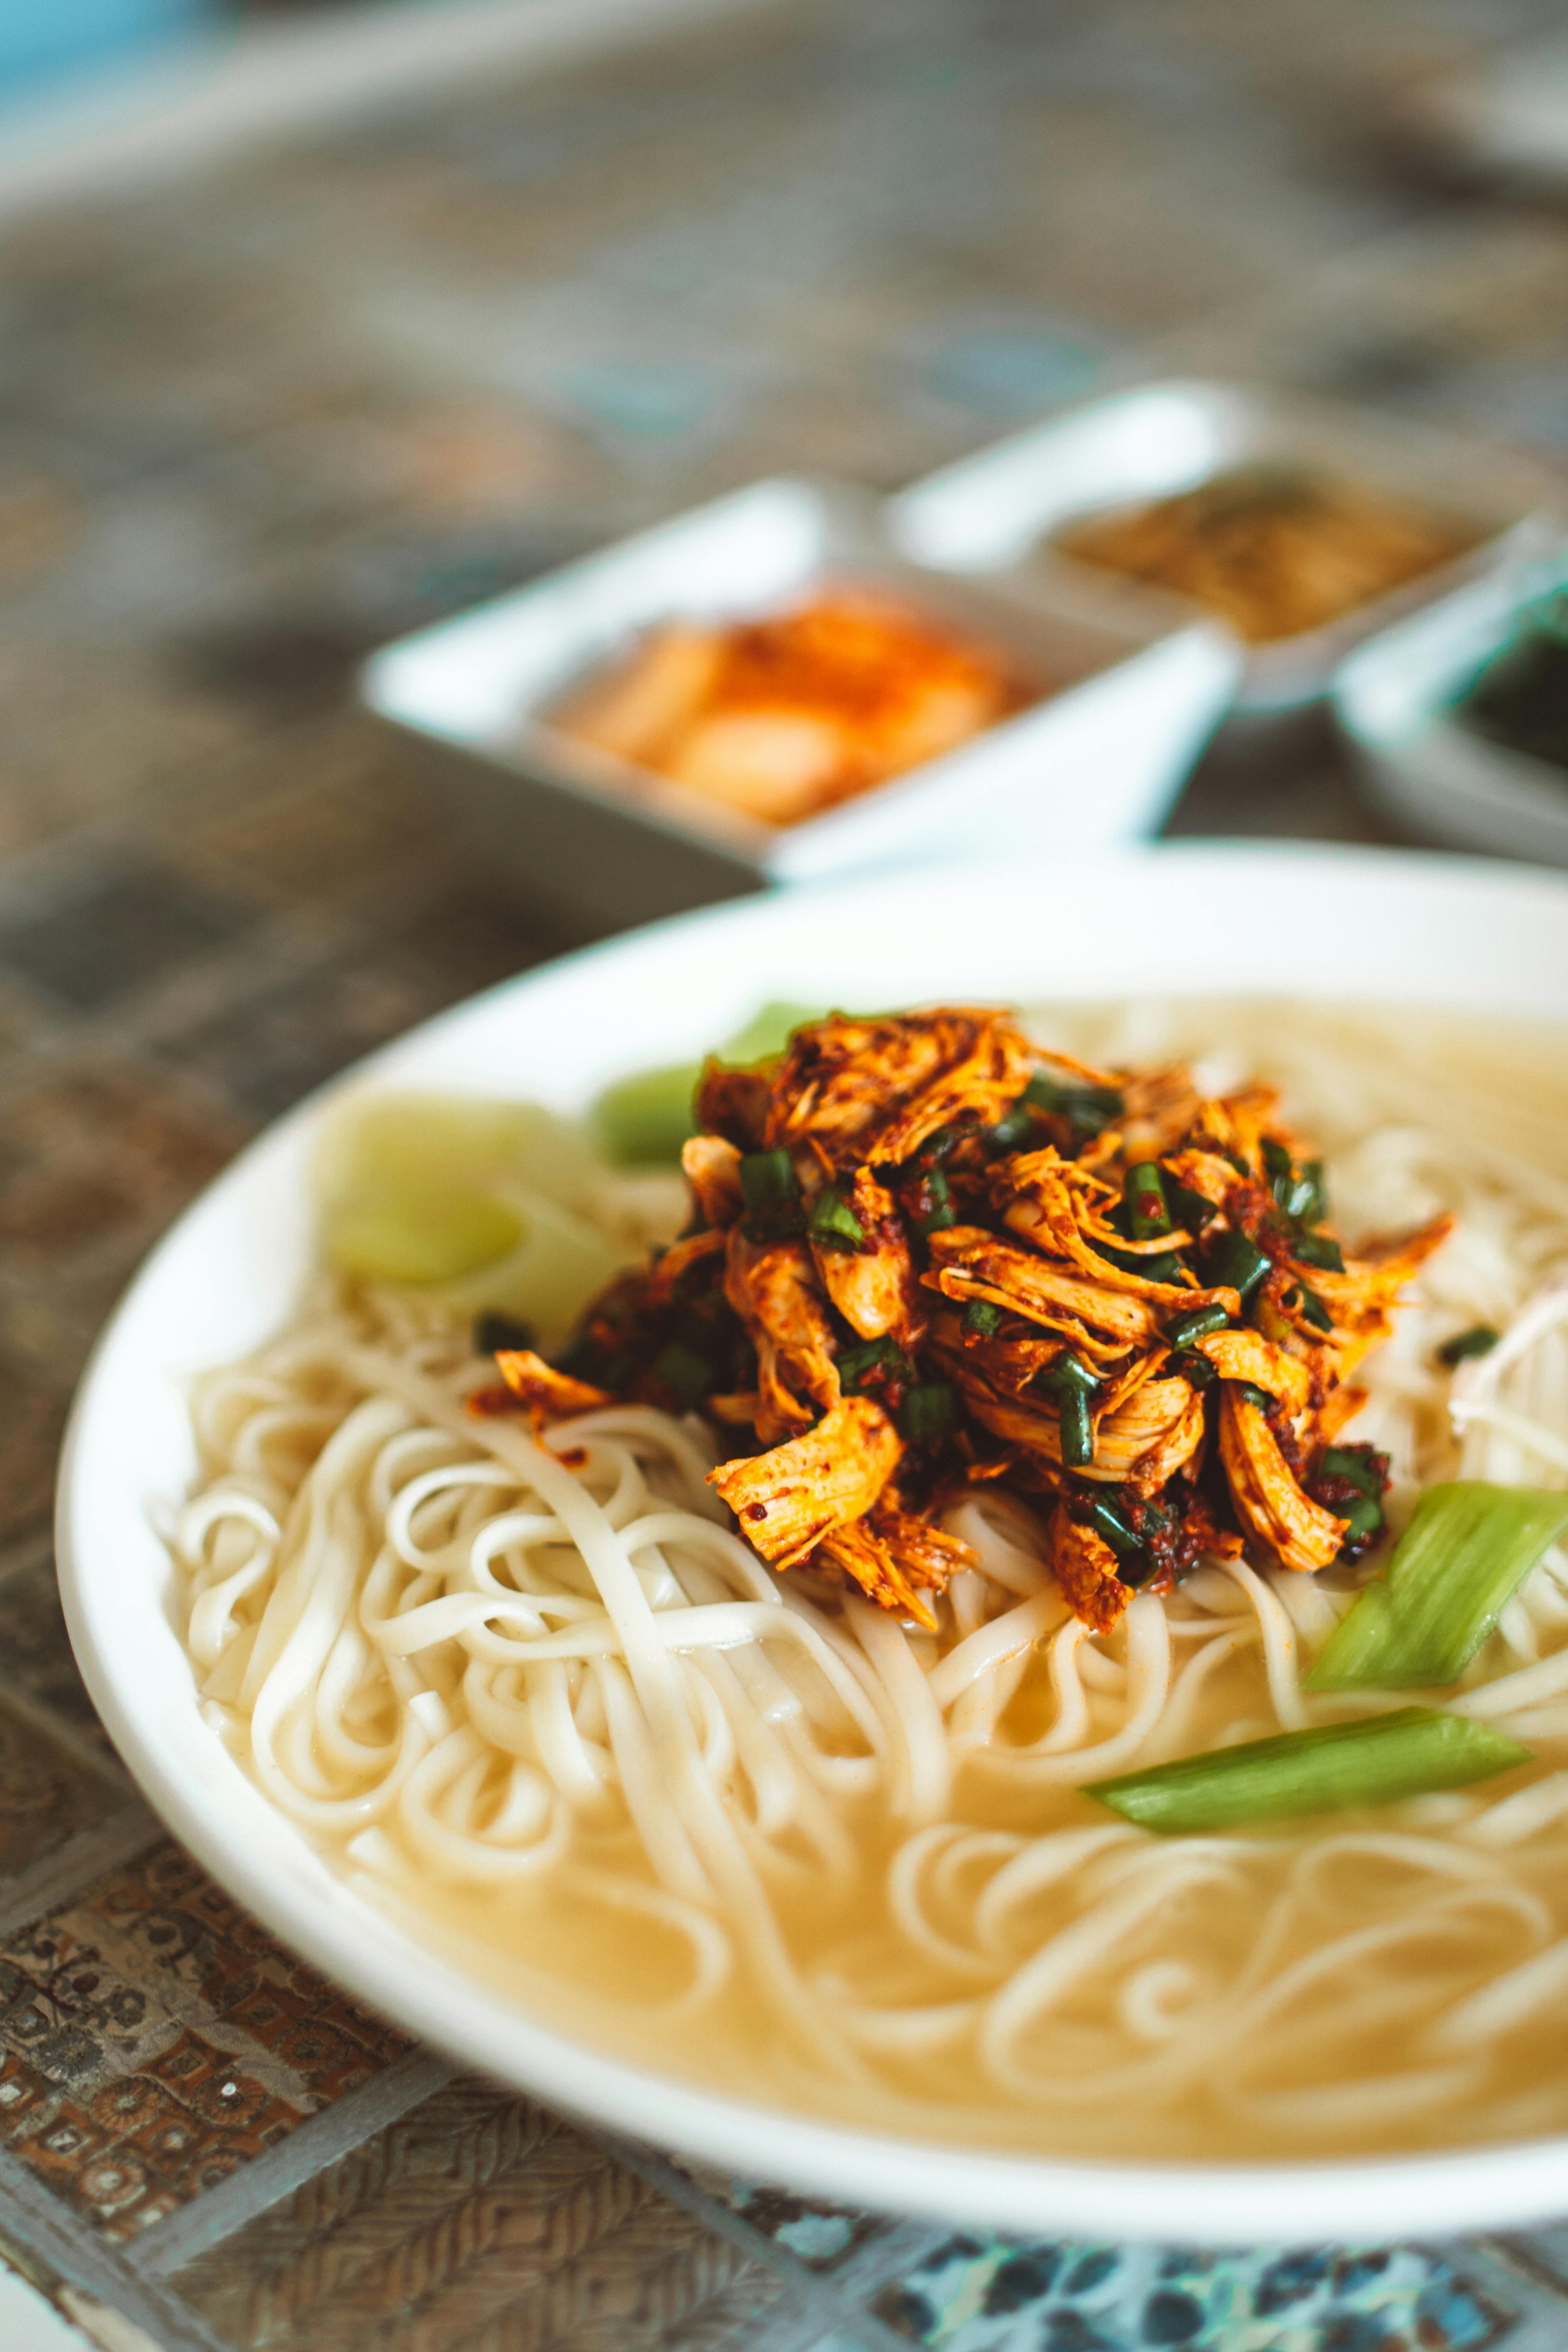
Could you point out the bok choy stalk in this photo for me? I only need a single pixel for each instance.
(1373, 1762)
(1454, 1569)
(643, 1121)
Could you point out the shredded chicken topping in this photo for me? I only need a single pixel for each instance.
(926, 1252)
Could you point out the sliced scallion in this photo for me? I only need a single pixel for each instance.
(1191, 1210)
(1362, 1518)
(767, 1179)
(929, 1411)
(1348, 1462)
(1144, 1197)
(1314, 1310)
(1314, 1210)
(871, 1356)
(941, 1212)
(1478, 1341)
(1107, 1521)
(1318, 1249)
(1072, 1384)
(1196, 1325)
(1013, 1129)
(1409, 1753)
(1076, 1429)
(1236, 1264)
(1296, 1196)
(982, 1319)
(1087, 1110)
(1454, 1569)
(1160, 1265)
(834, 1224)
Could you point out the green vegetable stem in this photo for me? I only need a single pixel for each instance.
(1459, 1563)
(1409, 1753)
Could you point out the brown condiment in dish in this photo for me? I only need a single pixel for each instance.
(1274, 550)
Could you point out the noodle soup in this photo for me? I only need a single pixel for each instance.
(537, 1695)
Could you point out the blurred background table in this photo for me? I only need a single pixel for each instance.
(256, 419)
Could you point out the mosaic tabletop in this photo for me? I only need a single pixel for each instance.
(254, 424)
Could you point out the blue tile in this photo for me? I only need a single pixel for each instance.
(818, 2233)
(975, 2293)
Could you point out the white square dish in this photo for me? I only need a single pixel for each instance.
(992, 515)
(1095, 762)
(1431, 774)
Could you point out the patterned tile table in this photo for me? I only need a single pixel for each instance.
(251, 425)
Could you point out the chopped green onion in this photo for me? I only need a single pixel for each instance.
(1014, 1128)
(1454, 1570)
(833, 1223)
(493, 1332)
(1191, 1210)
(1196, 1325)
(937, 1146)
(1315, 1209)
(1296, 1196)
(1089, 1109)
(1478, 1341)
(1107, 1521)
(929, 1411)
(1160, 1265)
(1409, 1753)
(1318, 1249)
(941, 1212)
(687, 1375)
(1072, 1383)
(1249, 1394)
(1348, 1462)
(982, 1319)
(1316, 1313)
(1357, 1468)
(1077, 1431)
(1236, 1264)
(767, 1179)
(1276, 1158)
(1362, 1518)
(1143, 1195)
(855, 1362)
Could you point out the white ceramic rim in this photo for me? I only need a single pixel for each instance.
(1394, 926)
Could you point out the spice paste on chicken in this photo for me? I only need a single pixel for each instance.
(925, 1254)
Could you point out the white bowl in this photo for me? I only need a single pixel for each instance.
(1419, 765)
(991, 515)
(1320, 923)
(1096, 760)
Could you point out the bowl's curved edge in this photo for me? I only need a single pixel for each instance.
(1428, 2194)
